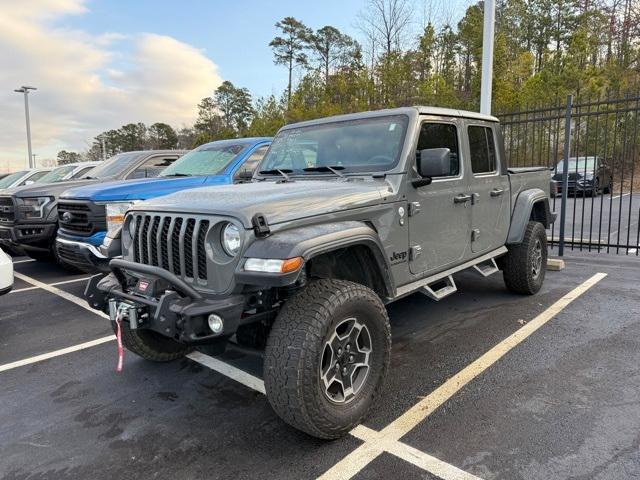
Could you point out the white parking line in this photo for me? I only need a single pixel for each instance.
(412, 455)
(228, 370)
(618, 196)
(56, 353)
(368, 451)
(26, 289)
(61, 293)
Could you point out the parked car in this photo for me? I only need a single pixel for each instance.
(346, 214)
(586, 175)
(90, 217)
(6, 273)
(22, 177)
(29, 214)
(69, 171)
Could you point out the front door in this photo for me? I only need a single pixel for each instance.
(489, 187)
(440, 213)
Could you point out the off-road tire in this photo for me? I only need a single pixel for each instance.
(294, 354)
(518, 272)
(150, 345)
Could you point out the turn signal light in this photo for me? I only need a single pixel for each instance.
(270, 265)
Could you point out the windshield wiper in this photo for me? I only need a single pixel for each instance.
(277, 171)
(178, 175)
(335, 169)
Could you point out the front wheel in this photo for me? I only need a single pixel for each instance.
(150, 345)
(327, 356)
(526, 263)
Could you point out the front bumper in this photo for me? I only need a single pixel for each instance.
(82, 255)
(28, 236)
(164, 303)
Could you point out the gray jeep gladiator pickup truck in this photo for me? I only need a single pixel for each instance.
(345, 215)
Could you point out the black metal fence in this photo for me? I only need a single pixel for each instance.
(596, 142)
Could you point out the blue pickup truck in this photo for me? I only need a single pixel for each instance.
(90, 218)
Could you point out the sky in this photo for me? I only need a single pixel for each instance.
(98, 64)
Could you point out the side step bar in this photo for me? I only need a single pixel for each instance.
(487, 268)
(448, 288)
(484, 264)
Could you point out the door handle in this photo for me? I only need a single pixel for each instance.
(461, 198)
(496, 192)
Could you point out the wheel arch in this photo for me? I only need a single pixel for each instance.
(531, 204)
(349, 250)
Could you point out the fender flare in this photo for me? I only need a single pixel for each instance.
(521, 215)
(310, 241)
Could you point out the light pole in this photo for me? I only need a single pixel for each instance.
(25, 90)
(487, 56)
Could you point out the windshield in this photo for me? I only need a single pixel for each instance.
(579, 164)
(204, 160)
(367, 145)
(7, 181)
(115, 165)
(56, 174)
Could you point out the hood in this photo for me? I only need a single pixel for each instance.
(142, 189)
(278, 202)
(46, 189)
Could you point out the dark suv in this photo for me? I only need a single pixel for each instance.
(590, 175)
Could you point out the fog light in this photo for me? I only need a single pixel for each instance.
(215, 323)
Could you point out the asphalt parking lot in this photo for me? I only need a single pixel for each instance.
(484, 384)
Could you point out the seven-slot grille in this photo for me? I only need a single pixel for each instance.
(81, 217)
(173, 243)
(7, 210)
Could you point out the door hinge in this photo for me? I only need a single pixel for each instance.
(415, 252)
(475, 234)
(414, 208)
(475, 198)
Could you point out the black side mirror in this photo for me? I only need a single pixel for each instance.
(245, 175)
(432, 162)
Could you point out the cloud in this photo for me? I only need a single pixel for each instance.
(87, 82)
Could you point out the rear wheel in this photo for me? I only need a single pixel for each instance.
(326, 357)
(526, 263)
(150, 345)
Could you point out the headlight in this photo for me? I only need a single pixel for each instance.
(34, 207)
(115, 216)
(231, 239)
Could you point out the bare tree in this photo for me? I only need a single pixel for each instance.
(388, 21)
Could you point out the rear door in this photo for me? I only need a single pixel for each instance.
(440, 213)
(489, 187)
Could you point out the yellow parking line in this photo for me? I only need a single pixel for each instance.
(364, 454)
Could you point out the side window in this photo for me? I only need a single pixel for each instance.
(152, 167)
(245, 172)
(33, 178)
(483, 149)
(441, 135)
(83, 171)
